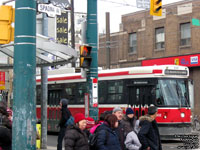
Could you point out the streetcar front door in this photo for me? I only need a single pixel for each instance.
(139, 98)
(54, 97)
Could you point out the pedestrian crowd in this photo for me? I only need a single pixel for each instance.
(113, 131)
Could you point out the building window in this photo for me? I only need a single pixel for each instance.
(160, 38)
(185, 34)
(132, 43)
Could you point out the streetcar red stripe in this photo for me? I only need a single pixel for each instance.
(157, 71)
(101, 75)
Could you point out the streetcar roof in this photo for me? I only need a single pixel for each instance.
(109, 73)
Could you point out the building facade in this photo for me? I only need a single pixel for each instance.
(146, 40)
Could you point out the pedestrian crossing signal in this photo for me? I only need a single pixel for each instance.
(85, 56)
(7, 16)
(156, 8)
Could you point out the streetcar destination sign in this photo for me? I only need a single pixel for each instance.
(49, 9)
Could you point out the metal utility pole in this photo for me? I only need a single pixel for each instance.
(44, 87)
(108, 40)
(24, 107)
(92, 76)
(72, 29)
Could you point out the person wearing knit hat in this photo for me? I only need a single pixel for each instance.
(149, 130)
(129, 121)
(129, 111)
(118, 112)
(65, 115)
(90, 123)
(152, 110)
(75, 136)
(79, 117)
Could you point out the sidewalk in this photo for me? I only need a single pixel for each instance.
(51, 148)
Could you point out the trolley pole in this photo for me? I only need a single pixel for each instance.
(24, 107)
(92, 75)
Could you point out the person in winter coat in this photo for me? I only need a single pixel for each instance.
(120, 130)
(149, 134)
(5, 130)
(65, 115)
(100, 121)
(132, 142)
(75, 137)
(107, 139)
(90, 123)
(129, 121)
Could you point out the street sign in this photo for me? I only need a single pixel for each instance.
(145, 4)
(195, 22)
(49, 9)
(63, 4)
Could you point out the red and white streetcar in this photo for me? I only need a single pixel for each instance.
(165, 86)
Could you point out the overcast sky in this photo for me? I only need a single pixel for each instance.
(115, 7)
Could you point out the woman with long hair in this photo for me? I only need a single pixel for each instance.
(107, 138)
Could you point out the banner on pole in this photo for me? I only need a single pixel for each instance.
(95, 92)
(2, 81)
(62, 28)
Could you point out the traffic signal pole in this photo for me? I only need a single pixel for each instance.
(24, 107)
(92, 74)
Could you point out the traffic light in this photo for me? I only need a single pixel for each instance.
(7, 15)
(156, 8)
(85, 56)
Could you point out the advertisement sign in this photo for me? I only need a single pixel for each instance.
(62, 28)
(2, 81)
(187, 60)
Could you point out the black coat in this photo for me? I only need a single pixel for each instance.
(75, 139)
(128, 124)
(120, 131)
(5, 133)
(149, 134)
(65, 114)
(107, 138)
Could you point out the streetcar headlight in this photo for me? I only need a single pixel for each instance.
(165, 117)
(182, 115)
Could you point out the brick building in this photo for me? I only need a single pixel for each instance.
(149, 40)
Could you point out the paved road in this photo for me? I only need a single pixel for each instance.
(167, 145)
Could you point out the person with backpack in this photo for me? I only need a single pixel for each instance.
(75, 137)
(100, 121)
(107, 139)
(65, 115)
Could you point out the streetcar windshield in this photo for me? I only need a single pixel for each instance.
(172, 92)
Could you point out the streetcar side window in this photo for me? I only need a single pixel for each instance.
(102, 91)
(115, 92)
(38, 95)
(82, 89)
(70, 92)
